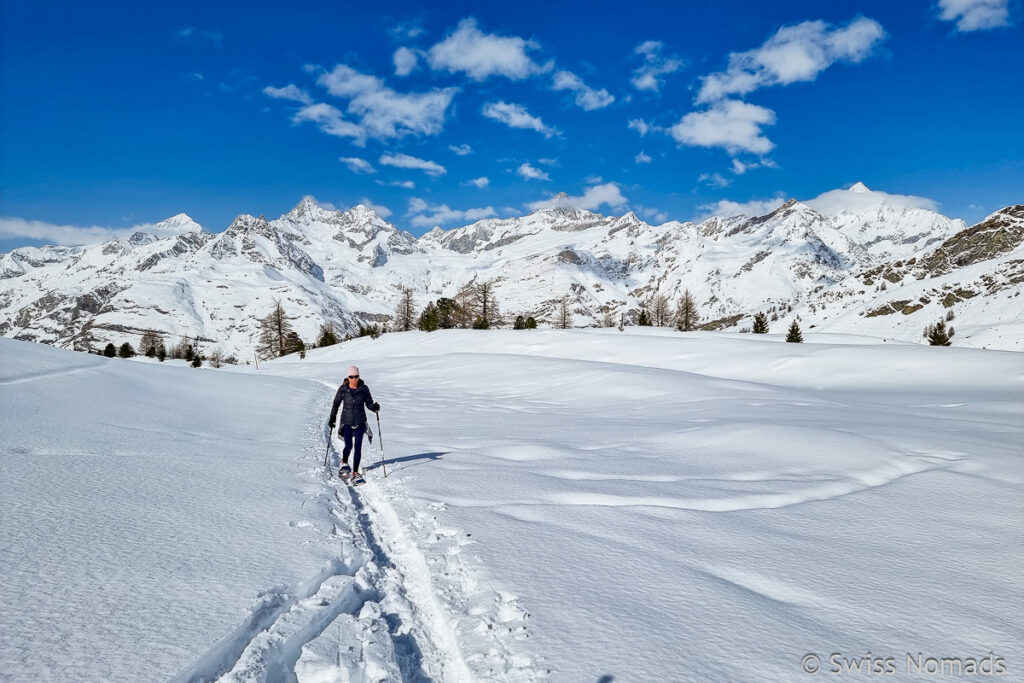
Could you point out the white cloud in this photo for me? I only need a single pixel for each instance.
(406, 184)
(714, 179)
(795, 53)
(213, 36)
(380, 112)
(593, 197)
(641, 126)
(405, 161)
(357, 165)
(837, 201)
(642, 158)
(756, 207)
(378, 209)
(331, 121)
(646, 76)
(405, 60)
(288, 92)
(587, 98)
(548, 162)
(461, 150)
(482, 55)
(731, 124)
(740, 167)
(426, 215)
(68, 235)
(516, 116)
(652, 215)
(975, 15)
(530, 173)
(407, 29)
(479, 183)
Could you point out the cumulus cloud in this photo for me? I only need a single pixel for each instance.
(461, 150)
(652, 215)
(975, 15)
(838, 201)
(795, 53)
(641, 126)
(378, 209)
(406, 184)
(193, 34)
(642, 158)
(426, 215)
(646, 76)
(288, 92)
(405, 161)
(405, 60)
(516, 116)
(482, 55)
(376, 110)
(740, 167)
(73, 235)
(530, 173)
(731, 124)
(755, 207)
(479, 183)
(714, 179)
(357, 165)
(592, 198)
(587, 98)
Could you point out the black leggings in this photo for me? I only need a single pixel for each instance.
(349, 433)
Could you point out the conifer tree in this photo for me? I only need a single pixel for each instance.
(430, 318)
(938, 335)
(531, 322)
(794, 335)
(405, 313)
(161, 352)
(686, 315)
(760, 323)
(197, 361)
(564, 317)
(661, 311)
(275, 329)
(110, 350)
(328, 337)
(126, 351)
(520, 323)
(644, 320)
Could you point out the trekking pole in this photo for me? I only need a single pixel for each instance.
(328, 451)
(381, 447)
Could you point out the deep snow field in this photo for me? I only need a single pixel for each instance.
(575, 505)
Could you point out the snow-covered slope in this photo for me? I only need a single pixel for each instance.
(825, 266)
(572, 505)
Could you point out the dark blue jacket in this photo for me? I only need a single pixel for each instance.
(353, 404)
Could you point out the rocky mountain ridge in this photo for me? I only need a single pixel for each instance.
(866, 267)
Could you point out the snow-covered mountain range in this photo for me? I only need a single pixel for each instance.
(853, 263)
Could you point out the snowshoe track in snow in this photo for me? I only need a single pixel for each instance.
(373, 613)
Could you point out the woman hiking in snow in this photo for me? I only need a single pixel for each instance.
(352, 397)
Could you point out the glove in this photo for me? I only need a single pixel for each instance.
(330, 425)
(376, 408)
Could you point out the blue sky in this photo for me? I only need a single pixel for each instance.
(121, 114)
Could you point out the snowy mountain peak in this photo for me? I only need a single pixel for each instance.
(859, 187)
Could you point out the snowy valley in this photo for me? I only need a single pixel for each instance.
(851, 261)
(565, 505)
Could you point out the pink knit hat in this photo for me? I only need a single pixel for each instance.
(353, 370)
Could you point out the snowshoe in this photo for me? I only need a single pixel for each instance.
(345, 471)
(357, 479)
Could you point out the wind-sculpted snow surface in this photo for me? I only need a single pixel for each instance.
(560, 505)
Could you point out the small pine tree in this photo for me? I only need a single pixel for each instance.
(197, 361)
(520, 323)
(686, 315)
(644, 320)
(938, 335)
(126, 351)
(275, 329)
(328, 337)
(161, 352)
(110, 350)
(531, 322)
(190, 353)
(481, 324)
(430, 318)
(564, 317)
(405, 312)
(793, 335)
(760, 324)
